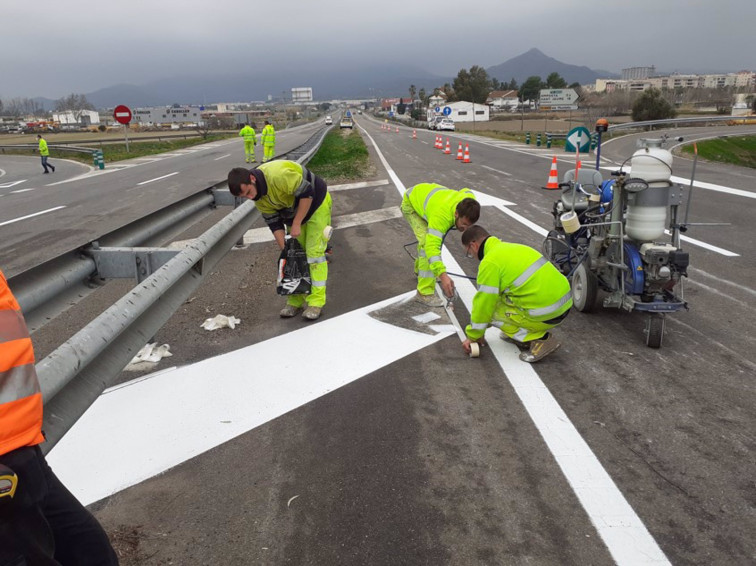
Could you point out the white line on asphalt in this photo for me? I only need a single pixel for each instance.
(158, 178)
(360, 185)
(496, 170)
(622, 531)
(2, 172)
(20, 191)
(12, 184)
(718, 279)
(222, 157)
(712, 187)
(710, 247)
(31, 215)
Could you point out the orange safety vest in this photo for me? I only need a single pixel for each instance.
(20, 396)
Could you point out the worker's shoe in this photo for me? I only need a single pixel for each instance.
(520, 345)
(539, 349)
(311, 313)
(430, 300)
(288, 311)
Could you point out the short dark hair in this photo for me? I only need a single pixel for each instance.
(469, 208)
(237, 177)
(474, 233)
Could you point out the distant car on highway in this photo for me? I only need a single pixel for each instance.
(445, 124)
(329, 120)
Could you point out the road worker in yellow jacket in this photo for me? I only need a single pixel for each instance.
(288, 195)
(250, 139)
(268, 141)
(431, 211)
(519, 292)
(40, 521)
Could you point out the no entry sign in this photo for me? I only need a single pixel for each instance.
(122, 114)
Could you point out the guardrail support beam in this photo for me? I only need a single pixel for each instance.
(126, 263)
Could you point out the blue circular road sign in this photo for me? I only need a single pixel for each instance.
(447, 111)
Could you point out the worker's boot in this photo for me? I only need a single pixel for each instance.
(311, 313)
(539, 349)
(430, 300)
(288, 311)
(521, 345)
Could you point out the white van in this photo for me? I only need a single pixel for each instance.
(329, 121)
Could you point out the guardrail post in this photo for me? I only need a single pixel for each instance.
(538, 139)
(527, 138)
(548, 140)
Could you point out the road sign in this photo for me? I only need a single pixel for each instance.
(122, 114)
(559, 107)
(447, 111)
(437, 109)
(578, 139)
(558, 97)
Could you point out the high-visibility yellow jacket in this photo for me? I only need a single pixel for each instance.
(522, 278)
(248, 134)
(280, 185)
(20, 396)
(43, 147)
(268, 135)
(436, 205)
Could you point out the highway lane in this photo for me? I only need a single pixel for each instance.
(78, 208)
(434, 458)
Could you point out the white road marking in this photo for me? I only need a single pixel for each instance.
(622, 531)
(718, 279)
(712, 187)
(30, 215)
(361, 185)
(20, 191)
(496, 170)
(149, 425)
(158, 178)
(704, 245)
(12, 184)
(222, 157)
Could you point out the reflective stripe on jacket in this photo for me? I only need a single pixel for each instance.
(268, 135)
(43, 148)
(436, 205)
(521, 277)
(20, 396)
(248, 134)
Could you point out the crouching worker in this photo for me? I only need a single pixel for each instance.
(431, 211)
(519, 291)
(288, 195)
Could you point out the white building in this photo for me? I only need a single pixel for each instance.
(504, 100)
(77, 118)
(463, 112)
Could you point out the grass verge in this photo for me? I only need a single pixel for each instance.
(736, 150)
(342, 157)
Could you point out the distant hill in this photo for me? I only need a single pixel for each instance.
(534, 62)
(359, 82)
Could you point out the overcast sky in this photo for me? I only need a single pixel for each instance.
(53, 48)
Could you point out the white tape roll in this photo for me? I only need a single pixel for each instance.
(570, 222)
(327, 231)
(474, 350)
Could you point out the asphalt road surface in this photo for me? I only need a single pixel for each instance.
(369, 438)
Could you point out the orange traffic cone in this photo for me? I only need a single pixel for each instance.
(553, 182)
(466, 158)
(436, 145)
(414, 134)
(447, 151)
(397, 129)
(459, 152)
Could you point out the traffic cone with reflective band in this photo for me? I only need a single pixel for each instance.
(553, 182)
(466, 158)
(447, 151)
(459, 152)
(414, 134)
(438, 142)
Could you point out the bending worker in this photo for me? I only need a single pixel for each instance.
(250, 139)
(519, 292)
(432, 210)
(41, 522)
(268, 141)
(287, 194)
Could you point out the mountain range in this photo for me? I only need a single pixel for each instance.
(357, 82)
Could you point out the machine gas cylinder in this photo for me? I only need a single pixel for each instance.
(647, 209)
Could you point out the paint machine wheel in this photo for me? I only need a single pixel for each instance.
(655, 330)
(584, 289)
(558, 251)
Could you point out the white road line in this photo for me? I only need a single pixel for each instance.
(704, 245)
(222, 157)
(496, 170)
(718, 279)
(158, 178)
(151, 424)
(622, 531)
(12, 184)
(712, 187)
(30, 215)
(361, 185)
(20, 191)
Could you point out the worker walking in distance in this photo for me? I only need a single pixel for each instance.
(431, 211)
(41, 522)
(250, 139)
(519, 292)
(268, 141)
(44, 153)
(289, 195)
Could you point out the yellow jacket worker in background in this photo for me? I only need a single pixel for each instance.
(431, 211)
(250, 139)
(519, 291)
(44, 153)
(287, 194)
(268, 141)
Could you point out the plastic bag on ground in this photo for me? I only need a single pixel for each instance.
(220, 321)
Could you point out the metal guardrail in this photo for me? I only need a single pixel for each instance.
(78, 371)
(59, 147)
(676, 122)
